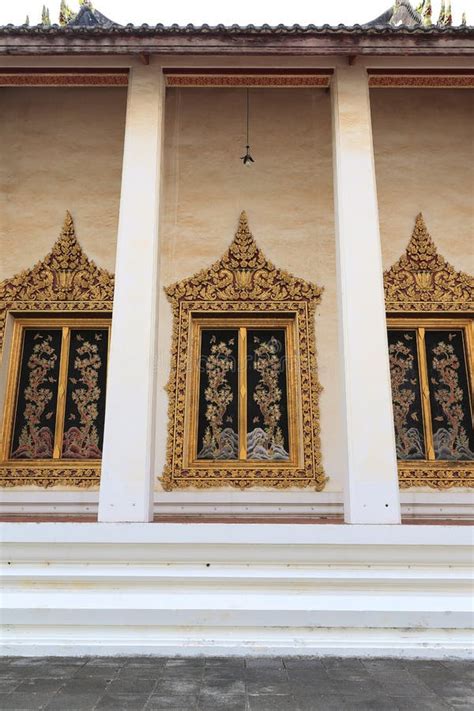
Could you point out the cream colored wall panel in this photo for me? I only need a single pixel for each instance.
(424, 159)
(59, 149)
(288, 197)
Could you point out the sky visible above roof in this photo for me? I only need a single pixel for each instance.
(347, 12)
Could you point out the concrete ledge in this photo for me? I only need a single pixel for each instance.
(441, 505)
(85, 588)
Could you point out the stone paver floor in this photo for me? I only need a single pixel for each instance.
(233, 684)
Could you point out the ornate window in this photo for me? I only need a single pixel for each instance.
(431, 352)
(55, 402)
(430, 364)
(59, 313)
(243, 404)
(243, 389)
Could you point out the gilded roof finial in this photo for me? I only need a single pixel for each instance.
(442, 14)
(45, 20)
(426, 13)
(65, 13)
(448, 18)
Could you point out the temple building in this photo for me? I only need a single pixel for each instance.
(237, 336)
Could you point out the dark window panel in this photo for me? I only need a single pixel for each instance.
(453, 436)
(406, 394)
(36, 402)
(85, 394)
(218, 410)
(267, 406)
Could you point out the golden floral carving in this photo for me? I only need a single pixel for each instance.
(436, 475)
(422, 280)
(219, 80)
(65, 281)
(47, 477)
(420, 81)
(63, 79)
(243, 281)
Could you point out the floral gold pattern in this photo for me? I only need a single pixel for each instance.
(422, 280)
(408, 437)
(82, 442)
(451, 440)
(66, 281)
(243, 281)
(267, 443)
(220, 80)
(219, 442)
(36, 441)
(433, 81)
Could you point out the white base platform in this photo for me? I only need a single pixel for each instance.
(233, 589)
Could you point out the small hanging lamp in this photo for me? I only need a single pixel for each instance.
(247, 158)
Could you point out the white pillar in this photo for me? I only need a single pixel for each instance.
(371, 481)
(126, 486)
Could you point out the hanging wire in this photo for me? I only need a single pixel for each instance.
(247, 158)
(248, 114)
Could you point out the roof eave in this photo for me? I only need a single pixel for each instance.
(340, 42)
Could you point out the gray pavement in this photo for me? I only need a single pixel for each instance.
(233, 684)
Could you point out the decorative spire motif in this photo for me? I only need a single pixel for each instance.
(422, 280)
(463, 20)
(65, 274)
(442, 14)
(45, 19)
(243, 273)
(27, 21)
(448, 18)
(426, 13)
(65, 13)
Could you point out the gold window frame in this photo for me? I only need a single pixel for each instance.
(65, 284)
(422, 289)
(242, 324)
(243, 284)
(13, 380)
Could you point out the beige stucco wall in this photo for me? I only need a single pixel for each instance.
(288, 197)
(424, 159)
(60, 149)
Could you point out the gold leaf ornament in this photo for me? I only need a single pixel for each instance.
(243, 282)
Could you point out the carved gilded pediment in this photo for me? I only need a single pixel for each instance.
(65, 280)
(243, 284)
(65, 274)
(243, 274)
(422, 280)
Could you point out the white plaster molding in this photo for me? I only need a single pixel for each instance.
(431, 505)
(234, 589)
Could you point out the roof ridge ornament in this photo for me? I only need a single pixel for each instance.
(427, 13)
(422, 280)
